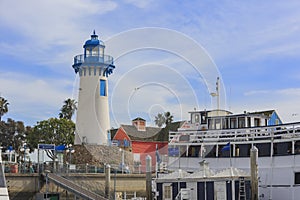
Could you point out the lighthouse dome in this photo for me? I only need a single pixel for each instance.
(94, 41)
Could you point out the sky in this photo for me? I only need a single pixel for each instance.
(167, 54)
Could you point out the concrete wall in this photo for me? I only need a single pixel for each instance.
(25, 186)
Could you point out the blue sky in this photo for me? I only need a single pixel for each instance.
(254, 45)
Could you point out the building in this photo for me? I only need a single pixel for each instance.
(93, 67)
(204, 184)
(142, 141)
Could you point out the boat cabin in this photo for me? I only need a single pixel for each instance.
(222, 119)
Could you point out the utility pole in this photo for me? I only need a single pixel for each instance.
(107, 181)
(148, 177)
(254, 173)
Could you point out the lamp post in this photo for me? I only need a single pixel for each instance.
(122, 164)
(47, 181)
(24, 150)
(69, 150)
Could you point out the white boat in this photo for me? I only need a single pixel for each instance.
(206, 134)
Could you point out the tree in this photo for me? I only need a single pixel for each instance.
(3, 107)
(168, 118)
(52, 131)
(68, 109)
(12, 133)
(160, 120)
(163, 118)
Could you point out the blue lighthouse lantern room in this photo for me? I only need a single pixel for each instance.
(94, 56)
(94, 48)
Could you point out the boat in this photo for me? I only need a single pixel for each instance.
(224, 139)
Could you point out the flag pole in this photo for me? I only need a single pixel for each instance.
(230, 155)
(157, 161)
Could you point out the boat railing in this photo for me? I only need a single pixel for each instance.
(284, 131)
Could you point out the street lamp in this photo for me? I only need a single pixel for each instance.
(122, 164)
(69, 150)
(47, 181)
(24, 150)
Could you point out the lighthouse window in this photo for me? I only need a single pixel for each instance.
(95, 51)
(103, 87)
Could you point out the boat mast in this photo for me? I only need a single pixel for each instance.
(217, 94)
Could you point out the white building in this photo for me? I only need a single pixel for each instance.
(93, 67)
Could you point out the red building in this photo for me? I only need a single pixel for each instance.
(142, 141)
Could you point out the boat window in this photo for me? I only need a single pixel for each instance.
(194, 151)
(224, 153)
(197, 118)
(167, 192)
(256, 122)
(218, 123)
(249, 121)
(243, 150)
(264, 149)
(282, 148)
(241, 121)
(233, 123)
(210, 124)
(224, 123)
(297, 177)
(184, 138)
(203, 118)
(227, 123)
(297, 147)
(210, 151)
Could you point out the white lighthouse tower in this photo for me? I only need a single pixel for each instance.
(93, 67)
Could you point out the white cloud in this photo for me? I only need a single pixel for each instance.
(51, 20)
(291, 92)
(140, 3)
(45, 31)
(34, 98)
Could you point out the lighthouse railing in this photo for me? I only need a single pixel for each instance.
(105, 59)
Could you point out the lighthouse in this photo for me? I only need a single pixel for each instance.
(93, 67)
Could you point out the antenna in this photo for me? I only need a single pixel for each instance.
(217, 93)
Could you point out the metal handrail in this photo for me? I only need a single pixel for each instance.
(105, 59)
(74, 188)
(286, 131)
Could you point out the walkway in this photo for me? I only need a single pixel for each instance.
(74, 188)
(3, 188)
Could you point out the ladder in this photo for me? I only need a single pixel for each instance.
(242, 190)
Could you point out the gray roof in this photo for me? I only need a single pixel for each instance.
(231, 172)
(135, 134)
(176, 175)
(150, 134)
(207, 173)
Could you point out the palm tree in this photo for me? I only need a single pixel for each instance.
(168, 118)
(68, 109)
(162, 119)
(159, 120)
(3, 106)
